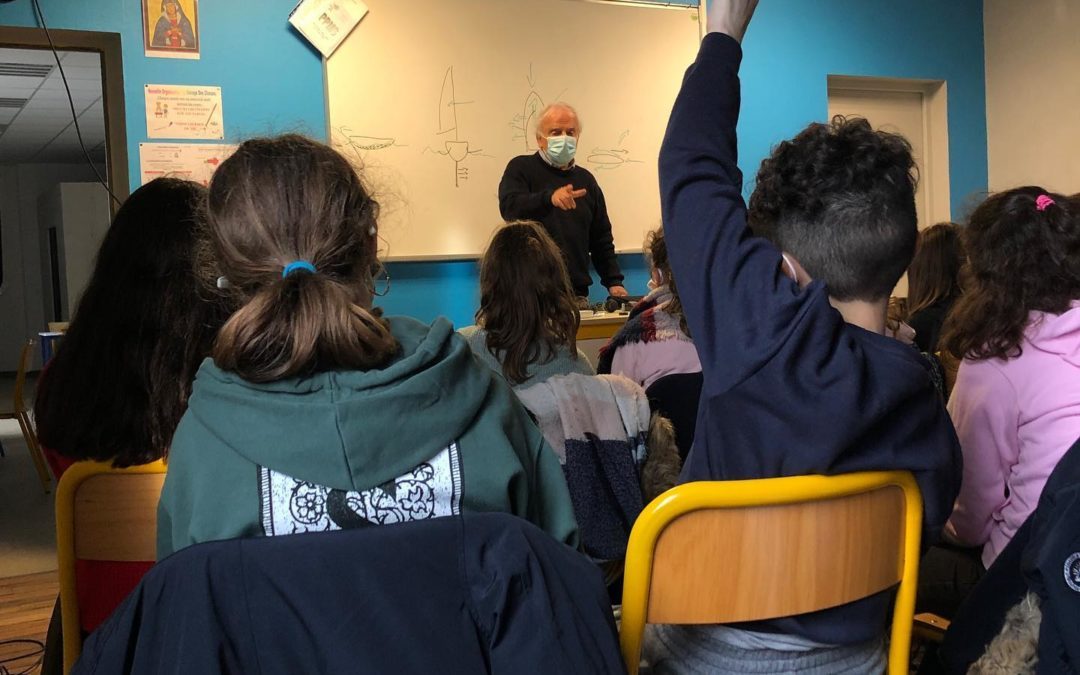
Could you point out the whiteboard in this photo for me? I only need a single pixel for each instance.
(432, 98)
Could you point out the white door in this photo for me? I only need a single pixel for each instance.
(916, 110)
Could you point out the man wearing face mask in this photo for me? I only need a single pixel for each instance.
(551, 188)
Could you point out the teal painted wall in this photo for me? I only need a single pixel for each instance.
(272, 83)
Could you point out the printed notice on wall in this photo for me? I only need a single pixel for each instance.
(179, 111)
(326, 23)
(190, 161)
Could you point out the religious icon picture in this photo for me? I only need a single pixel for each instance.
(171, 28)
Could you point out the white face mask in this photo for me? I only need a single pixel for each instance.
(790, 267)
(653, 285)
(561, 149)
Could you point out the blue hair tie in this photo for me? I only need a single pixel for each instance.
(297, 265)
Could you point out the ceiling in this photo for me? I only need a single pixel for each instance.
(35, 118)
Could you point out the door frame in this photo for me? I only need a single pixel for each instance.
(935, 132)
(112, 89)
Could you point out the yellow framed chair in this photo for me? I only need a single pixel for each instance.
(19, 411)
(724, 552)
(102, 514)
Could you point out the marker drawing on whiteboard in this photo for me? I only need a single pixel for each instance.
(606, 159)
(456, 149)
(524, 121)
(359, 145)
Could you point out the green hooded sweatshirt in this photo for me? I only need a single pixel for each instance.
(433, 433)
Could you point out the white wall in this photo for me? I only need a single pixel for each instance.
(1033, 93)
(22, 312)
(80, 214)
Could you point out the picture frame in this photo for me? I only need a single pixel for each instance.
(171, 29)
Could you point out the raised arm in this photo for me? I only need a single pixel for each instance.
(738, 304)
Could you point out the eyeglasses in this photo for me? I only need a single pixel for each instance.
(380, 280)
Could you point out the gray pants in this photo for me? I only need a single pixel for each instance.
(696, 650)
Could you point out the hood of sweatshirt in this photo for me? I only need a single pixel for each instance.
(1056, 333)
(350, 430)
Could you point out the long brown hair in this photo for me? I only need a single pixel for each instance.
(657, 255)
(117, 389)
(527, 305)
(934, 274)
(1023, 255)
(279, 200)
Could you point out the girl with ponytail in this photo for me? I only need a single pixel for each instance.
(318, 413)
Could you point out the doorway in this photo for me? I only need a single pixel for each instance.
(916, 109)
(50, 182)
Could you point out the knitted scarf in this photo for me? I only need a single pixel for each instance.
(648, 322)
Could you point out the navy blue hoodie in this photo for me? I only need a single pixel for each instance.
(790, 387)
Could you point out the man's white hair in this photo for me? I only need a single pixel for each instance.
(552, 107)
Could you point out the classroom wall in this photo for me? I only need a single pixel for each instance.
(80, 214)
(272, 82)
(1033, 93)
(22, 312)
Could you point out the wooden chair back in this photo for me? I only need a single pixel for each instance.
(106, 514)
(724, 552)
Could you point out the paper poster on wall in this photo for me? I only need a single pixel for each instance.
(178, 111)
(171, 28)
(326, 23)
(190, 161)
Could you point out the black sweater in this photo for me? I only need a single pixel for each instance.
(525, 193)
(928, 322)
(790, 388)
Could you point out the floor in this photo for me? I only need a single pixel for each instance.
(27, 525)
(27, 528)
(26, 604)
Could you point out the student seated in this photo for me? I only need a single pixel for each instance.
(526, 327)
(933, 282)
(1022, 613)
(799, 377)
(1016, 402)
(615, 453)
(317, 413)
(116, 390)
(655, 341)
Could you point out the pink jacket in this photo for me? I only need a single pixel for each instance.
(647, 362)
(1015, 419)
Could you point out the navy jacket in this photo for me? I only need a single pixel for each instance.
(790, 387)
(479, 593)
(1051, 566)
(1043, 551)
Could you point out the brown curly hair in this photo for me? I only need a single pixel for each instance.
(1019, 259)
(527, 306)
(840, 197)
